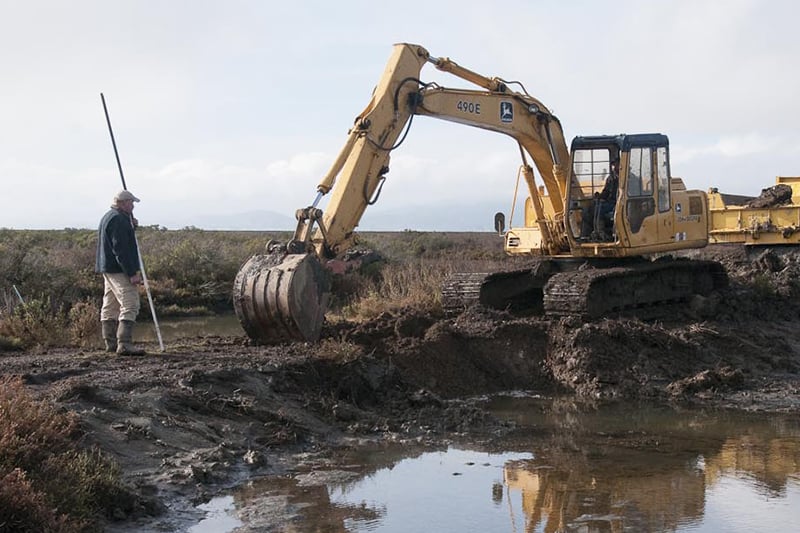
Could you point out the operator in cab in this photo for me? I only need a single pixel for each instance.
(597, 223)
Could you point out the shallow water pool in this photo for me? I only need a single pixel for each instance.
(566, 467)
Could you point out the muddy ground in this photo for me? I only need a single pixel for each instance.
(209, 412)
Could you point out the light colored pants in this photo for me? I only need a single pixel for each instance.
(120, 298)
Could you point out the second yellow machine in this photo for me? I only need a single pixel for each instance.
(605, 206)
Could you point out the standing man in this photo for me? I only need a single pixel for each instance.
(118, 261)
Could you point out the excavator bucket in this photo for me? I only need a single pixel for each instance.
(281, 297)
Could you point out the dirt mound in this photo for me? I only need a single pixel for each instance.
(774, 196)
(765, 282)
(483, 352)
(746, 327)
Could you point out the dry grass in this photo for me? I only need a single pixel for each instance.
(414, 285)
(410, 284)
(338, 350)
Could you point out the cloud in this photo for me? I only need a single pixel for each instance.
(304, 165)
(219, 187)
(220, 108)
(737, 147)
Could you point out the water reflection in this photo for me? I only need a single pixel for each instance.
(173, 329)
(218, 517)
(654, 469)
(570, 468)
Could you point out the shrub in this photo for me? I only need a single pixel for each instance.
(84, 324)
(87, 483)
(24, 509)
(37, 322)
(191, 271)
(30, 430)
(11, 343)
(422, 245)
(47, 482)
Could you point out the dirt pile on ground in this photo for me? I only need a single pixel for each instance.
(478, 352)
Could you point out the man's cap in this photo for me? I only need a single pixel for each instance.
(123, 196)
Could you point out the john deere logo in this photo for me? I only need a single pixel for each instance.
(506, 112)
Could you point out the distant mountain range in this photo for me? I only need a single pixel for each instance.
(249, 220)
(474, 217)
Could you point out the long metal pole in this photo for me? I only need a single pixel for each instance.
(18, 295)
(135, 239)
(113, 142)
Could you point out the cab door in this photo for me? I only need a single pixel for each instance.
(648, 216)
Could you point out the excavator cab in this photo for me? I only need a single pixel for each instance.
(646, 211)
(594, 201)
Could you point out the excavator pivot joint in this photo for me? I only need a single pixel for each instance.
(295, 247)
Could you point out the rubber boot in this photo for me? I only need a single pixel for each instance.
(110, 334)
(125, 339)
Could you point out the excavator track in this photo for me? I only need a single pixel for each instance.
(514, 290)
(645, 290)
(558, 288)
(462, 290)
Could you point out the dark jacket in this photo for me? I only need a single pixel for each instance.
(116, 244)
(609, 193)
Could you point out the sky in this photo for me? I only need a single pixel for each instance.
(227, 114)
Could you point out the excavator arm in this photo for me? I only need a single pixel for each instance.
(356, 176)
(282, 295)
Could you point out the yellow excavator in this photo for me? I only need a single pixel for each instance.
(591, 238)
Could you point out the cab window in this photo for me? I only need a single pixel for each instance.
(662, 159)
(591, 167)
(640, 173)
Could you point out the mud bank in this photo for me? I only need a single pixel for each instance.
(209, 413)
